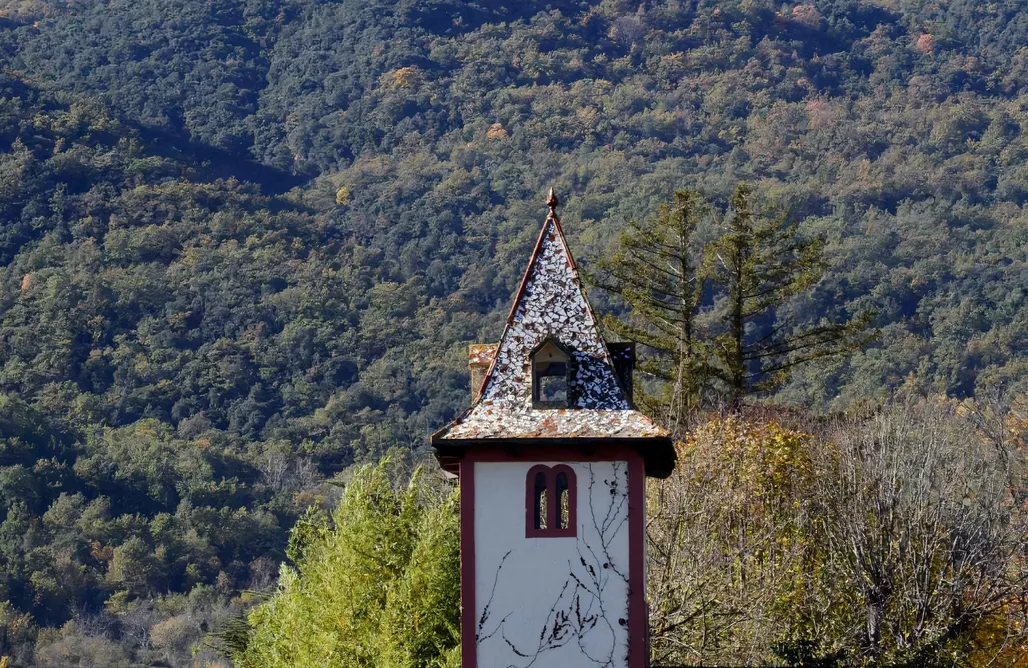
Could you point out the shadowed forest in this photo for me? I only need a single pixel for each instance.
(245, 243)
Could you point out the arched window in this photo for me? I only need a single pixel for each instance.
(540, 509)
(550, 502)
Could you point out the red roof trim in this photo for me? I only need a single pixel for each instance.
(521, 293)
(531, 263)
(517, 300)
(468, 638)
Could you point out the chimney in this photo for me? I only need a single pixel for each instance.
(623, 356)
(480, 356)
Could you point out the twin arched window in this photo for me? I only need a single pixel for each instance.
(550, 502)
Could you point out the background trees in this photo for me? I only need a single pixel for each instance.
(760, 263)
(741, 343)
(655, 271)
(197, 329)
(890, 539)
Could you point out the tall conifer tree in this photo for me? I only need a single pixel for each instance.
(752, 269)
(757, 266)
(654, 271)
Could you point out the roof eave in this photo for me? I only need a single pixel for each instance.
(658, 452)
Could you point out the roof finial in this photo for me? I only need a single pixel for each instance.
(552, 202)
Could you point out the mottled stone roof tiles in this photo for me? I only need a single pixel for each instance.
(550, 303)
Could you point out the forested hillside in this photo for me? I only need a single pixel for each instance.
(244, 243)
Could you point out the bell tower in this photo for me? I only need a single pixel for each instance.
(552, 459)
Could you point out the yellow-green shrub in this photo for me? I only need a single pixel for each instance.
(380, 588)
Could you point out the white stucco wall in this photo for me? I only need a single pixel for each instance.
(551, 602)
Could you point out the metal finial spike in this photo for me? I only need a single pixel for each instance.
(552, 202)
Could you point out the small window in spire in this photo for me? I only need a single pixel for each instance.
(551, 378)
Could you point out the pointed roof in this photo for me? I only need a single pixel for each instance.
(551, 303)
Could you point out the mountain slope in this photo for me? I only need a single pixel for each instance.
(244, 242)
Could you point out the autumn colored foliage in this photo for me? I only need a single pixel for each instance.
(893, 538)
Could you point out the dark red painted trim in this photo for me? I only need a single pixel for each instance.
(468, 627)
(524, 283)
(585, 295)
(531, 262)
(530, 529)
(638, 654)
(607, 358)
(553, 529)
(658, 452)
(520, 293)
(531, 452)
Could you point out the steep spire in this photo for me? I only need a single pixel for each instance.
(551, 303)
(551, 306)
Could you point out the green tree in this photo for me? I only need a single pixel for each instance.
(381, 588)
(17, 634)
(755, 267)
(133, 567)
(654, 272)
(758, 265)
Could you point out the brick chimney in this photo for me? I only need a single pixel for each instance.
(480, 356)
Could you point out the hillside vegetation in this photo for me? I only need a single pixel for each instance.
(777, 541)
(244, 243)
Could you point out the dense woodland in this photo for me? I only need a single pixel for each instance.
(888, 538)
(245, 243)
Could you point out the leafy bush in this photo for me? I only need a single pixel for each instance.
(381, 587)
(889, 539)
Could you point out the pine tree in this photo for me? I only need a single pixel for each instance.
(654, 271)
(758, 265)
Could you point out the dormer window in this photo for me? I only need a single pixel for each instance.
(551, 374)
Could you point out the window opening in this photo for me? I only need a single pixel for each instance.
(540, 500)
(564, 500)
(551, 366)
(553, 388)
(550, 502)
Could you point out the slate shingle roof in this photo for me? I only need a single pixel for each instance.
(550, 302)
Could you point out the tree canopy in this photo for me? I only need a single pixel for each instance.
(244, 243)
(380, 586)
